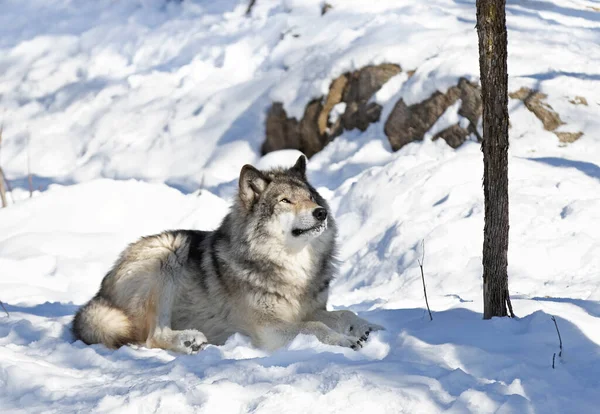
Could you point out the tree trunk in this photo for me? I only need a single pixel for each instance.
(491, 29)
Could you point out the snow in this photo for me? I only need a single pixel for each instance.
(137, 116)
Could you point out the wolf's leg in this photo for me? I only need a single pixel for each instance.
(162, 336)
(278, 333)
(347, 323)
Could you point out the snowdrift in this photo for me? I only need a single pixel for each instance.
(135, 117)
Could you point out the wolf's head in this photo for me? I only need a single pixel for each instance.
(284, 206)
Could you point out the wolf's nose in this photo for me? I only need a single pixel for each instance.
(320, 213)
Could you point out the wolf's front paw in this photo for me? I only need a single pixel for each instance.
(349, 341)
(358, 327)
(190, 341)
(362, 331)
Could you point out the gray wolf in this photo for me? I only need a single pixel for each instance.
(265, 273)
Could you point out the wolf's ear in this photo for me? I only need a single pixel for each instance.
(252, 184)
(300, 166)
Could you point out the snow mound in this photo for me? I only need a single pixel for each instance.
(136, 117)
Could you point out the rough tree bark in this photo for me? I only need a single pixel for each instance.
(491, 30)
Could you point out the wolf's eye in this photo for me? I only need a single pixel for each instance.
(285, 200)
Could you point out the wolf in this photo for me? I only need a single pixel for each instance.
(264, 272)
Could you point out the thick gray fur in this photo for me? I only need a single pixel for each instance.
(265, 272)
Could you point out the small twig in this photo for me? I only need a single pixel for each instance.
(29, 177)
(201, 187)
(553, 359)
(2, 189)
(326, 7)
(250, 7)
(559, 338)
(2, 179)
(509, 303)
(423, 278)
(2, 304)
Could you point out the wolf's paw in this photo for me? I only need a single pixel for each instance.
(348, 341)
(362, 331)
(358, 327)
(190, 341)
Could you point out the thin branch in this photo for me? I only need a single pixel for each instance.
(250, 7)
(8, 187)
(423, 278)
(553, 359)
(559, 338)
(2, 189)
(201, 187)
(29, 178)
(2, 304)
(509, 304)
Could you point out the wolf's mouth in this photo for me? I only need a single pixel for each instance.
(317, 228)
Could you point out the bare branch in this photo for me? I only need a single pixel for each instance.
(2, 189)
(250, 7)
(29, 177)
(509, 303)
(2, 304)
(423, 278)
(559, 338)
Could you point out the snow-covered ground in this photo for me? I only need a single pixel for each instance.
(135, 116)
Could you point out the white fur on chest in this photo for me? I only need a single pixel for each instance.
(297, 268)
(284, 295)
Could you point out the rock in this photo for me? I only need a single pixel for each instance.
(288, 133)
(472, 104)
(361, 87)
(579, 100)
(410, 123)
(314, 130)
(336, 91)
(568, 137)
(454, 135)
(282, 132)
(311, 141)
(534, 101)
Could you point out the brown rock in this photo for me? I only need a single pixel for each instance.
(311, 141)
(288, 133)
(472, 105)
(314, 131)
(454, 135)
(336, 91)
(534, 101)
(568, 137)
(410, 123)
(281, 131)
(372, 78)
(579, 100)
(361, 87)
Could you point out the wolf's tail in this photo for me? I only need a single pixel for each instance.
(99, 322)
